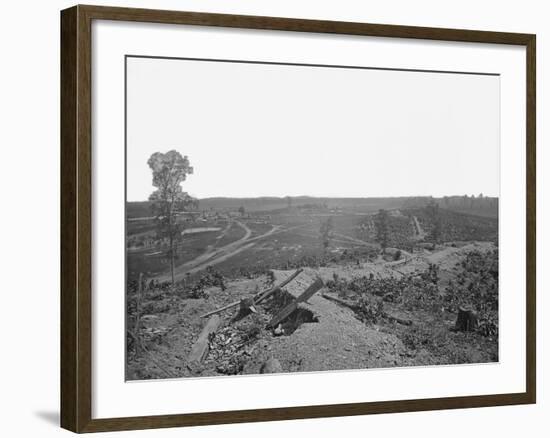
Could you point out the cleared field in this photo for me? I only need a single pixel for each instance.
(287, 237)
(459, 226)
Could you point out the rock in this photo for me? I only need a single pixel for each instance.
(278, 331)
(271, 366)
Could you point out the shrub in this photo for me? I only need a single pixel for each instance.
(417, 337)
(370, 309)
(488, 325)
(477, 287)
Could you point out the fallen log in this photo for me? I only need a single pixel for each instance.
(397, 319)
(291, 307)
(200, 347)
(221, 309)
(259, 297)
(355, 307)
(340, 301)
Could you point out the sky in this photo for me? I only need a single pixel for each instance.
(278, 130)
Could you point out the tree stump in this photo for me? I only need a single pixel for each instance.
(246, 307)
(466, 320)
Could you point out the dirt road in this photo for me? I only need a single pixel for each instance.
(357, 241)
(219, 255)
(420, 233)
(209, 257)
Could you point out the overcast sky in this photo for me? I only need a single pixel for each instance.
(275, 130)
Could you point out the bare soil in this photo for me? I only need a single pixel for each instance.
(324, 336)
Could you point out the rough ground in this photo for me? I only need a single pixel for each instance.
(338, 340)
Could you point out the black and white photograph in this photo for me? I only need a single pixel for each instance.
(275, 218)
(289, 218)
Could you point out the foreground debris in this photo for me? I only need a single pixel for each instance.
(200, 349)
(233, 345)
(292, 306)
(260, 297)
(356, 307)
(436, 308)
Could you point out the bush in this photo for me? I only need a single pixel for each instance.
(211, 278)
(488, 325)
(370, 309)
(477, 287)
(417, 337)
(413, 292)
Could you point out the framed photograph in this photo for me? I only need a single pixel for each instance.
(273, 218)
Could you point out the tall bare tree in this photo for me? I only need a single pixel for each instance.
(170, 170)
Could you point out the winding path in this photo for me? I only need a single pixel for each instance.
(420, 233)
(216, 256)
(356, 241)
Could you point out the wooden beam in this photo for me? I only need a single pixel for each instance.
(340, 301)
(291, 307)
(200, 348)
(264, 295)
(259, 297)
(355, 307)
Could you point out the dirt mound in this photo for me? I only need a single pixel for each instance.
(338, 340)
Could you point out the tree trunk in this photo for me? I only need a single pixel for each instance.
(466, 320)
(137, 338)
(172, 258)
(170, 230)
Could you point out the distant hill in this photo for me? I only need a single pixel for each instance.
(142, 209)
(275, 203)
(485, 206)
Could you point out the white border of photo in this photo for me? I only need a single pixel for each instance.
(113, 397)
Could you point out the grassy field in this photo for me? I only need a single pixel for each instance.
(286, 237)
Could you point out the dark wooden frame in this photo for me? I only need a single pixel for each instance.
(76, 217)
